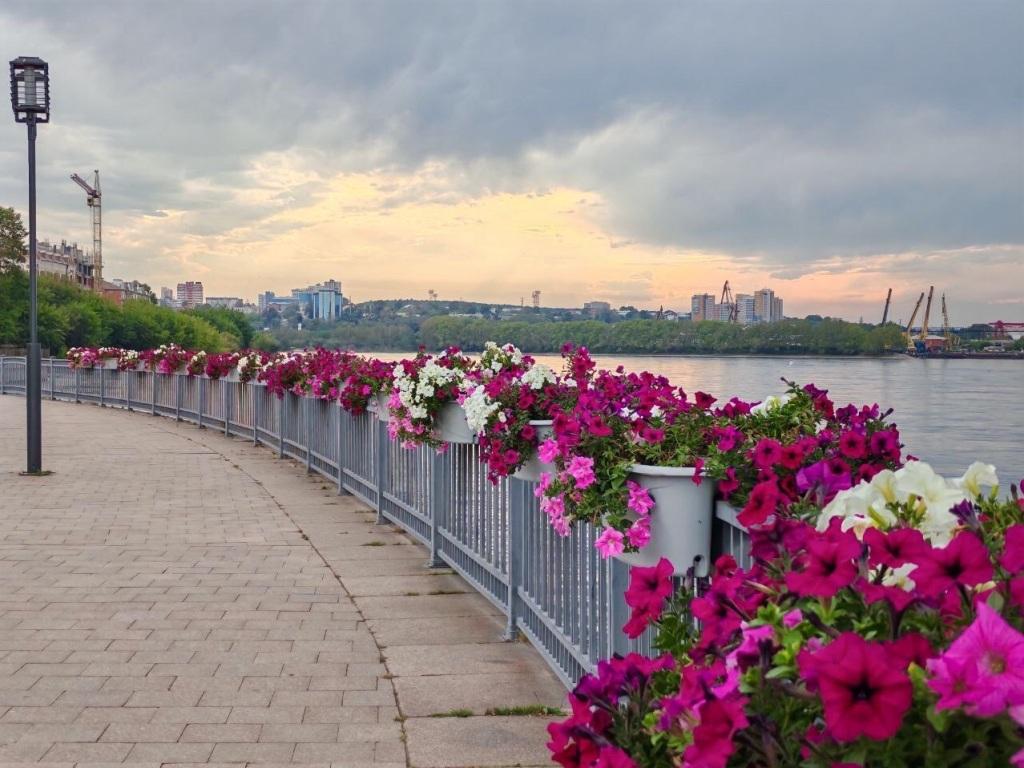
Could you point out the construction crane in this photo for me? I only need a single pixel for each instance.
(94, 199)
(913, 316)
(885, 312)
(727, 301)
(431, 294)
(951, 340)
(927, 314)
(536, 299)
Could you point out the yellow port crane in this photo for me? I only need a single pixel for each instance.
(913, 316)
(951, 340)
(927, 313)
(728, 301)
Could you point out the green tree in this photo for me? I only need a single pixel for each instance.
(12, 240)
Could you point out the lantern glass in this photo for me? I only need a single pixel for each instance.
(30, 91)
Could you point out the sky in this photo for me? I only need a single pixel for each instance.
(632, 152)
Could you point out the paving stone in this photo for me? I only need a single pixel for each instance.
(454, 742)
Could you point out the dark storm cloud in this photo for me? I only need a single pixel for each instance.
(783, 132)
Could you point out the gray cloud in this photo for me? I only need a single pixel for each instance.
(788, 134)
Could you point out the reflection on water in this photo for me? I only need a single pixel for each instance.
(950, 412)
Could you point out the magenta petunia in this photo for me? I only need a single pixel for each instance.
(964, 561)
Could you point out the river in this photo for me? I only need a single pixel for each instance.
(950, 412)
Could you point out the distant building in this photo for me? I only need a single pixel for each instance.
(764, 304)
(119, 291)
(269, 300)
(777, 310)
(65, 260)
(745, 310)
(322, 301)
(228, 302)
(190, 294)
(703, 307)
(595, 308)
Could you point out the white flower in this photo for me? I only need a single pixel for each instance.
(538, 376)
(772, 402)
(656, 412)
(977, 475)
(900, 577)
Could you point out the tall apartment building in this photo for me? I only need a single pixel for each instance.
(190, 294)
(764, 300)
(777, 309)
(745, 311)
(703, 307)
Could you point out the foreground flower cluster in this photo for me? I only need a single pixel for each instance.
(882, 630)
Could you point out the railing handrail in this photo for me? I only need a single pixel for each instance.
(556, 591)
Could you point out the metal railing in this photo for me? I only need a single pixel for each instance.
(557, 591)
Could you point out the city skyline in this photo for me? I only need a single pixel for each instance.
(600, 174)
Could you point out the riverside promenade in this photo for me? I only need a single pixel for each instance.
(174, 596)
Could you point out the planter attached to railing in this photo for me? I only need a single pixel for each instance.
(452, 427)
(681, 519)
(533, 466)
(108, 364)
(379, 405)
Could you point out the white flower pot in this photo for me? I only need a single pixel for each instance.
(533, 466)
(107, 364)
(452, 427)
(232, 375)
(379, 405)
(681, 520)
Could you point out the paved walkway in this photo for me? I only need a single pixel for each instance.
(172, 596)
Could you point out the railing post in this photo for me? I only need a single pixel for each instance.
(227, 403)
(103, 388)
(177, 395)
(152, 390)
(383, 447)
(282, 420)
(516, 536)
(618, 612)
(340, 445)
(202, 401)
(253, 392)
(128, 390)
(78, 385)
(52, 394)
(307, 412)
(3, 379)
(440, 463)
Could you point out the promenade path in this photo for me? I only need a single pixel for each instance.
(174, 596)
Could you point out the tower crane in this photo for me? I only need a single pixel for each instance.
(927, 313)
(94, 199)
(913, 316)
(885, 312)
(727, 301)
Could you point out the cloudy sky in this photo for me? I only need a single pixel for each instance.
(635, 152)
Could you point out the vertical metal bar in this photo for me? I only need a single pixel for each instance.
(152, 389)
(227, 397)
(2, 382)
(307, 412)
(255, 399)
(516, 536)
(202, 402)
(103, 387)
(440, 464)
(52, 394)
(78, 385)
(33, 400)
(177, 395)
(618, 580)
(340, 453)
(383, 454)
(282, 419)
(128, 391)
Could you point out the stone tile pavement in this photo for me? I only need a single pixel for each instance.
(171, 596)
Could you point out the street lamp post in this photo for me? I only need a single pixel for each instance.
(30, 99)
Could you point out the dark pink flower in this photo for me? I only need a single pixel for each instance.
(829, 563)
(862, 688)
(767, 453)
(1012, 558)
(853, 445)
(965, 561)
(763, 501)
(898, 546)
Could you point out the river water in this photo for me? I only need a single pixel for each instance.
(950, 412)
